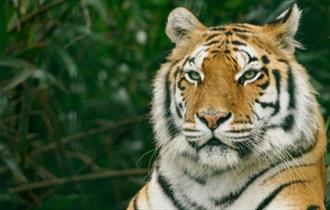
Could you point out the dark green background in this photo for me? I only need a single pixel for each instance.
(75, 91)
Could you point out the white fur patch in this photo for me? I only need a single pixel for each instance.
(243, 60)
(198, 56)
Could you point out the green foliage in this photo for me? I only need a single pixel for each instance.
(75, 91)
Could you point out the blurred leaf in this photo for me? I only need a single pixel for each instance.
(15, 63)
(18, 79)
(70, 64)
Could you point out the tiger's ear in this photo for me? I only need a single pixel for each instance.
(284, 28)
(180, 23)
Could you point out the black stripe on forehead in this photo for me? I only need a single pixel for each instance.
(242, 36)
(215, 51)
(218, 28)
(232, 60)
(241, 30)
(236, 42)
(228, 33)
(226, 51)
(211, 42)
(265, 59)
(212, 36)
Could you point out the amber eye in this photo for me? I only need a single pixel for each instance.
(193, 75)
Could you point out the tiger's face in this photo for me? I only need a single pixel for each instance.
(231, 93)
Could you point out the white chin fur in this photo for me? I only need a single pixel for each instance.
(218, 158)
(214, 158)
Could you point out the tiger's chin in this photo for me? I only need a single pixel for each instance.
(215, 154)
(218, 157)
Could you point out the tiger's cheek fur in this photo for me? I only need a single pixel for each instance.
(182, 95)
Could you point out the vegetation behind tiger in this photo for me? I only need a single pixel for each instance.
(75, 92)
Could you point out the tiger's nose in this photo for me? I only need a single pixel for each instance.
(213, 119)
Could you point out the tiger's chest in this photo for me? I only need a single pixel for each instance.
(186, 192)
(210, 196)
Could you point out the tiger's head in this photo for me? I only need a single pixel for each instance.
(233, 93)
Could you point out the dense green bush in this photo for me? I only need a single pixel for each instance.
(75, 91)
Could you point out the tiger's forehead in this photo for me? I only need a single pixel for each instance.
(221, 47)
(195, 60)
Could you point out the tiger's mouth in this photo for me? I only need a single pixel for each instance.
(214, 142)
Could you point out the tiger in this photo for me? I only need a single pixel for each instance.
(236, 120)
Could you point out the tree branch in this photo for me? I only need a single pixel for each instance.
(79, 178)
(90, 132)
(42, 9)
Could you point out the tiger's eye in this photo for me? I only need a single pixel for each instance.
(194, 75)
(250, 74)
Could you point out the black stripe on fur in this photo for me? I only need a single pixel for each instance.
(291, 89)
(275, 192)
(286, 168)
(171, 126)
(167, 189)
(234, 196)
(277, 77)
(135, 206)
(313, 207)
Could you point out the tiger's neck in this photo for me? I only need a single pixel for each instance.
(196, 186)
